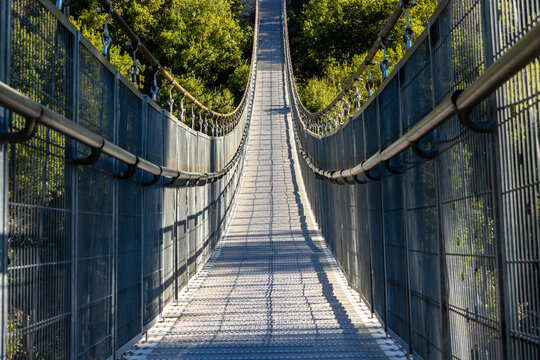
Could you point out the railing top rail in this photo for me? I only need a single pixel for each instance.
(462, 102)
(34, 113)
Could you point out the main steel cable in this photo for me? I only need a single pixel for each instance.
(377, 45)
(143, 50)
(516, 58)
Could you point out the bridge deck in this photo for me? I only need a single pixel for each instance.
(271, 290)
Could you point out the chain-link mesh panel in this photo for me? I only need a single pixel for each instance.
(130, 202)
(96, 95)
(95, 213)
(153, 223)
(396, 256)
(453, 250)
(517, 114)
(39, 190)
(95, 256)
(424, 253)
(169, 258)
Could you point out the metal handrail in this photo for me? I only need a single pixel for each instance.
(31, 110)
(516, 58)
(142, 49)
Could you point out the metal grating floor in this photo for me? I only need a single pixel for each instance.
(272, 289)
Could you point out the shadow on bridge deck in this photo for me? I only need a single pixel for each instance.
(272, 289)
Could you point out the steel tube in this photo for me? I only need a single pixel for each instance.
(106, 4)
(19, 103)
(521, 54)
(149, 167)
(75, 131)
(14, 101)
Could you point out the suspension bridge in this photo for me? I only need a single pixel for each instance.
(405, 225)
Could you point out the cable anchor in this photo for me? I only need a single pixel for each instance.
(106, 38)
(356, 99)
(170, 102)
(182, 110)
(369, 83)
(408, 33)
(155, 89)
(385, 64)
(134, 69)
(192, 117)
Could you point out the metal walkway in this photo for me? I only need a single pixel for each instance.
(271, 290)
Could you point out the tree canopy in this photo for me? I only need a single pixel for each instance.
(330, 39)
(203, 43)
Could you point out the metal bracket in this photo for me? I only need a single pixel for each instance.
(421, 153)
(367, 174)
(358, 181)
(392, 169)
(25, 134)
(192, 182)
(184, 184)
(90, 159)
(465, 120)
(130, 171)
(154, 180)
(173, 181)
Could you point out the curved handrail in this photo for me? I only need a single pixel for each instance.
(33, 111)
(516, 58)
(106, 4)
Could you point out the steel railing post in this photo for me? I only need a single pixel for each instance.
(446, 348)
(383, 237)
(71, 152)
(144, 127)
(114, 265)
(5, 54)
(488, 22)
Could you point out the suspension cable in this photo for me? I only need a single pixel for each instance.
(377, 45)
(143, 50)
(461, 102)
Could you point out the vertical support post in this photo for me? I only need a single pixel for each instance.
(371, 299)
(5, 43)
(488, 22)
(71, 152)
(446, 348)
(381, 194)
(405, 230)
(114, 265)
(144, 127)
(188, 208)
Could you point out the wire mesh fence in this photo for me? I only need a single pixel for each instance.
(447, 249)
(91, 259)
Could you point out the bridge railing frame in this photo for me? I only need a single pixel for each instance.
(362, 152)
(181, 160)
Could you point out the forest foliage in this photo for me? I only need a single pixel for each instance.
(204, 44)
(331, 38)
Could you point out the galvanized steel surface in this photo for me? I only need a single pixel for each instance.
(272, 289)
(445, 251)
(91, 259)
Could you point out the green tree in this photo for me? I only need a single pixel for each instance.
(201, 42)
(330, 39)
